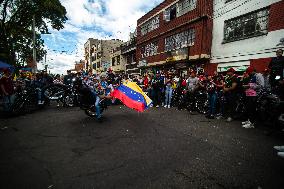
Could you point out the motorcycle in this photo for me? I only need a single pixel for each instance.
(67, 94)
(270, 107)
(87, 101)
(201, 101)
(25, 101)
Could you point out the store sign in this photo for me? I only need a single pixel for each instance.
(142, 63)
(181, 65)
(176, 55)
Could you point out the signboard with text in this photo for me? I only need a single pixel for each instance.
(142, 63)
(176, 55)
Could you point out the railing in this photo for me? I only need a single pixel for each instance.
(128, 46)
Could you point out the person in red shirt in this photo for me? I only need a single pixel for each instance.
(7, 89)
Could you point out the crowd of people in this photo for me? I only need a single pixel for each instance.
(223, 90)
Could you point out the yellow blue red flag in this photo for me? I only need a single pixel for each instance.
(130, 94)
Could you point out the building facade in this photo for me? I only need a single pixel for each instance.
(117, 61)
(97, 54)
(88, 46)
(246, 32)
(177, 34)
(128, 52)
(101, 53)
(79, 66)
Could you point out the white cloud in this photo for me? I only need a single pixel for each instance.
(115, 17)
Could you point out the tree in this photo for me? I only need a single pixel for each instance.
(16, 34)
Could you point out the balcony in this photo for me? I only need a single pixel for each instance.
(128, 46)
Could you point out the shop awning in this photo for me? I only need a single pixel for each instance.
(238, 66)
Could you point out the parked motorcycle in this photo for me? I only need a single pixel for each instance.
(25, 101)
(270, 107)
(66, 94)
(201, 101)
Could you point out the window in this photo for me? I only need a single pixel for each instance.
(246, 26)
(118, 60)
(170, 13)
(184, 6)
(180, 40)
(98, 64)
(149, 49)
(113, 61)
(150, 25)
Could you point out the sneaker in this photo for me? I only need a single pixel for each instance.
(281, 154)
(151, 105)
(246, 122)
(219, 117)
(211, 116)
(165, 106)
(40, 102)
(248, 126)
(279, 148)
(58, 105)
(169, 106)
(157, 106)
(229, 119)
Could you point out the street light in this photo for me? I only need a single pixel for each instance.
(34, 46)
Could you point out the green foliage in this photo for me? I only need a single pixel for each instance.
(16, 20)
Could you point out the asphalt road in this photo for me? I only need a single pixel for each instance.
(161, 148)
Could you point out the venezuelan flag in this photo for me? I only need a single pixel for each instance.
(130, 94)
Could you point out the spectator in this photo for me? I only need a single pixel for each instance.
(168, 92)
(266, 77)
(255, 85)
(211, 88)
(230, 94)
(277, 66)
(68, 78)
(192, 84)
(157, 84)
(7, 89)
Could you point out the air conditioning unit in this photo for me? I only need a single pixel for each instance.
(167, 15)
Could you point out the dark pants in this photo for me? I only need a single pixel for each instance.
(220, 102)
(251, 108)
(156, 97)
(230, 104)
(212, 97)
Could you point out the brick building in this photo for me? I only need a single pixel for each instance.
(246, 33)
(176, 34)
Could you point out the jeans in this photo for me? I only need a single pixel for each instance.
(97, 104)
(39, 94)
(220, 102)
(212, 97)
(8, 101)
(168, 95)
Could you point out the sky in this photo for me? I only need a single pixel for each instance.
(101, 19)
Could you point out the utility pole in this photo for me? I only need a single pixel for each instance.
(34, 46)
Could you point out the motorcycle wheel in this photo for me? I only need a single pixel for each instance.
(90, 113)
(68, 101)
(18, 106)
